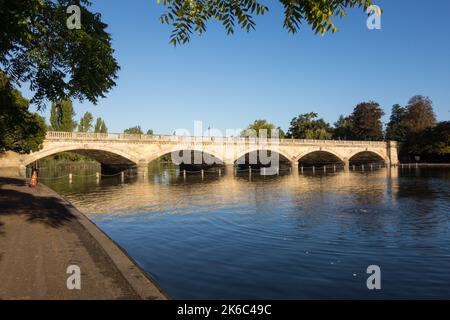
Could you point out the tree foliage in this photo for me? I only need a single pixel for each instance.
(134, 130)
(260, 128)
(309, 126)
(189, 16)
(439, 141)
(343, 128)
(414, 126)
(398, 127)
(432, 140)
(100, 126)
(420, 114)
(20, 130)
(366, 121)
(38, 49)
(62, 116)
(103, 128)
(85, 124)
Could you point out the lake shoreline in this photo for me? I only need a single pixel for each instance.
(43, 234)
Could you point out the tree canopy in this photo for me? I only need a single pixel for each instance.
(415, 125)
(398, 127)
(188, 16)
(134, 130)
(420, 114)
(343, 128)
(433, 140)
(37, 48)
(100, 126)
(366, 121)
(259, 127)
(439, 138)
(20, 130)
(85, 124)
(309, 126)
(62, 116)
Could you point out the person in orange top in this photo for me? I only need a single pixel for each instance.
(34, 178)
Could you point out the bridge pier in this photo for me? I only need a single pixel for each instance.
(294, 168)
(142, 169)
(346, 164)
(229, 169)
(392, 152)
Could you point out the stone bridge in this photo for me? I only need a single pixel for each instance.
(118, 151)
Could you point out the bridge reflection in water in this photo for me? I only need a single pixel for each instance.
(158, 191)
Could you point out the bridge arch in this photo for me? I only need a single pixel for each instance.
(252, 150)
(367, 156)
(258, 158)
(320, 156)
(104, 154)
(178, 148)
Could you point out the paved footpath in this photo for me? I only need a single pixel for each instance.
(41, 235)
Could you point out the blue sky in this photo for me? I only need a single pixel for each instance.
(229, 81)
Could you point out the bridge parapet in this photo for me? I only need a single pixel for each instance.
(86, 136)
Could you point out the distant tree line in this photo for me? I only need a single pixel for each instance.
(414, 126)
(62, 118)
(137, 130)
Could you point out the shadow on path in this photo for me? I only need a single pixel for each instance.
(36, 204)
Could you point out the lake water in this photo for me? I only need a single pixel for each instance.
(287, 237)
